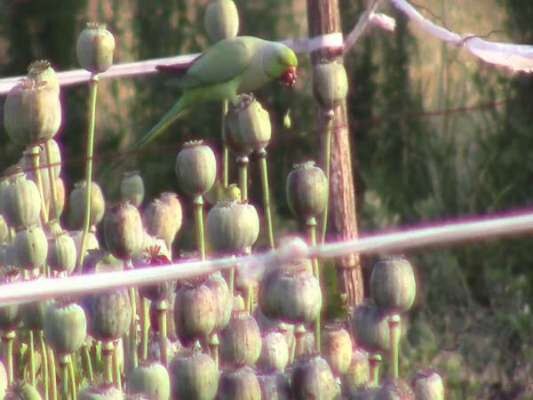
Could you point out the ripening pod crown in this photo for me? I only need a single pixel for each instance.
(108, 314)
(221, 20)
(132, 188)
(151, 380)
(194, 375)
(307, 190)
(65, 327)
(232, 226)
(249, 127)
(239, 384)
(95, 48)
(42, 71)
(196, 168)
(123, 231)
(393, 284)
(370, 328)
(62, 253)
(32, 112)
(330, 83)
(312, 378)
(77, 205)
(163, 217)
(21, 202)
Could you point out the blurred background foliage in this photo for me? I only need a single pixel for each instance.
(413, 162)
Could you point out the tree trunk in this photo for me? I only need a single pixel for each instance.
(323, 18)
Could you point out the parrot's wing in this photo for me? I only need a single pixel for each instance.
(222, 62)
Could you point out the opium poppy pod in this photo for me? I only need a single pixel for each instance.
(194, 375)
(77, 204)
(65, 327)
(240, 342)
(393, 284)
(223, 298)
(31, 247)
(307, 190)
(275, 386)
(370, 328)
(108, 314)
(330, 83)
(232, 226)
(221, 20)
(21, 202)
(274, 352)
(42, 71)
(55, 157)
(101, 392)
(22, 391)
(337, 348)
(32, 112)
(196, 168)
(163, 217)
(95, 48)
(132, 188)
(11, 315)
(123, 230)
(239, 384)
(428, 385)
(358, 373)
(62, 253)
(249, 127)
(151, 380)
(312, 379)
(395, 389)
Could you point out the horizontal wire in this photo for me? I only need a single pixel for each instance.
(439, 234)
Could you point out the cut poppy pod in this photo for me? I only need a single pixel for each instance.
(42, 71)
(62, 253)
(223, 298)
(393, 284)
(77, 205)
(274, 352)
(428, 385)
(22, 391)
(65, 327)
(163, 217)
(21, 202)
(312, 379)
(195, 312)
(232, 227)
(124, 231)
(108, 314)
(249, 127)
(32, 112)
(101, 392)
(330, 83)
(358, 373)
(194, 375)
(151, 380)
(221, 20)
(196, 168)
(31, 248)
(132, 188)
(370, 328)
(95, 48)
(239, 384)
(307, 190)
(240, 342)
(337, 348)
(275, 386)
(395, 389)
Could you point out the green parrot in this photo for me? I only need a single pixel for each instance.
(232, 66)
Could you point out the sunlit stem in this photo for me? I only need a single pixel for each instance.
(133, 357)
(214, 343)
(299, 337)
(242, 162)
(108, 349)
(199, 223)
(52, 373)
(117, 377)
(8, 338)
(63, 364)
(326, 159)
(72, 379)
(54, 212)
(33, 153)
(394, 331)
(93, 90)
(86, 359)
(162, 308)
(310, 225)
(145, 327)
(374, 362)
(225, 151)
(44, 364)
(263, 165)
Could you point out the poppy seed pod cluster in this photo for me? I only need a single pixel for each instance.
(42, 71)
(221, 20)
(330, 83)
(32, 112)
(232, 227)
(307, 190)
(249, 127)
(95, 48)
(132, 188)
(196, 168)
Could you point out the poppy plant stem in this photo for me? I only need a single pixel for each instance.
(263, 165)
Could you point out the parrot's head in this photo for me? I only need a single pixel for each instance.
(280, 62)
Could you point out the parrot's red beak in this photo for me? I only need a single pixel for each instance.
(289, 77)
